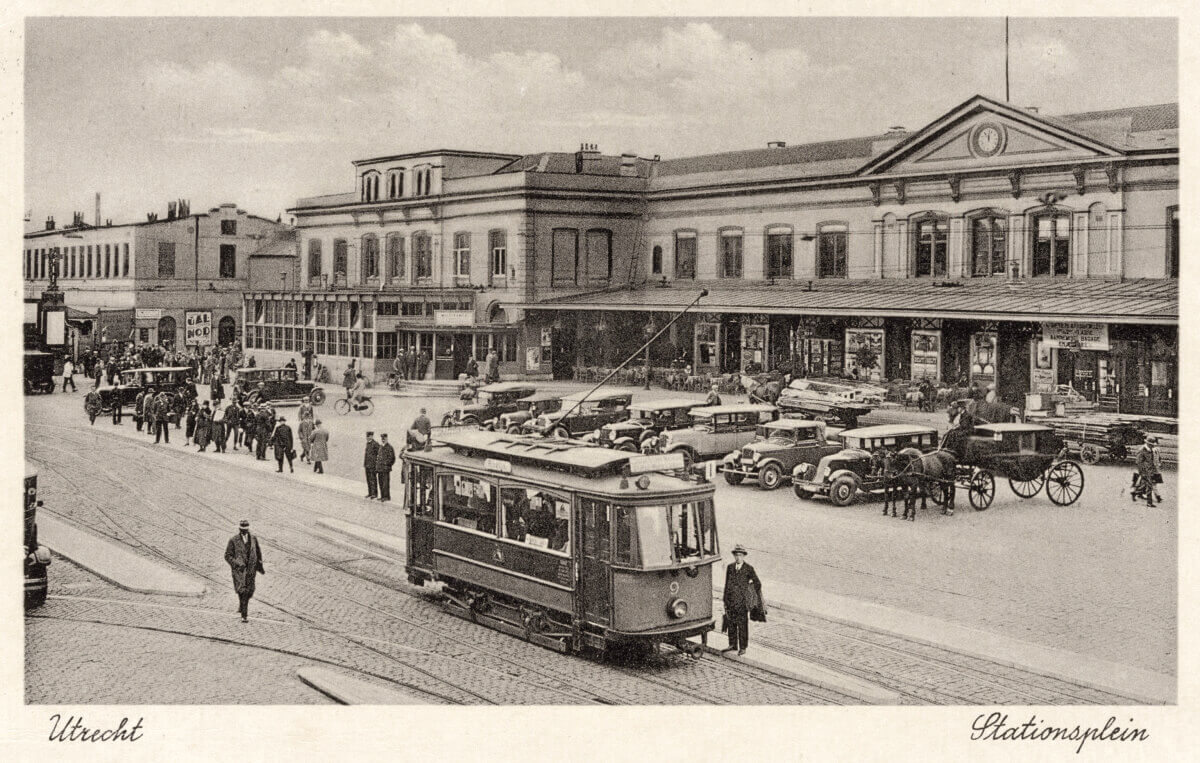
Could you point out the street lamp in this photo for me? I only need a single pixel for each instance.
(650, 330)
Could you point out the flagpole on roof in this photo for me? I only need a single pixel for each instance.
(1006, 98)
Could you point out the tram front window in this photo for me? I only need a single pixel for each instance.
(675, 534)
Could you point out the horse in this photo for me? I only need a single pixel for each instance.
(916, 470)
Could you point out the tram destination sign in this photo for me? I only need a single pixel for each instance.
(667, 462)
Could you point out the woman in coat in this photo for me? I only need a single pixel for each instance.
(318, 449)
(203, 434)
(192, 410)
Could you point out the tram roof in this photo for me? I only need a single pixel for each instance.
(534, 451)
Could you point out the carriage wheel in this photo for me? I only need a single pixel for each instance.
(981, 490)
(1089, 454)
(1064, 483)
(939, 493)
(1027, 488)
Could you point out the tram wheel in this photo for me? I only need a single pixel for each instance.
(981, 490)
(1064, 483)
(1089, 454)
(770, 477)
(1027, 488)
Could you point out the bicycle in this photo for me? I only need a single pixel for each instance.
(342, 406)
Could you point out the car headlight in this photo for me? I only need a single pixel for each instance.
(42, 555)
(678, 609)
(596, 435)
(754, 457)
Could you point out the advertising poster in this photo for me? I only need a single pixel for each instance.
(856, 340)
(198, 328)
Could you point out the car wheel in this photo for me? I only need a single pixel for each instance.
(770, 477)
(514, 429)
(448, 420)
(560, 433)
(318, 396)
(842, 491)
(628, 447)
(802, 493)
(470, 421)
(733, 478)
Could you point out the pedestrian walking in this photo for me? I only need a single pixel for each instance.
(161, 408)
(1149, 472)
(370, 461)
(203, 434)
(219, 433)
(262, 435)
(400, 365)
(304, 432)
(233, 422)
(216, 391)
(244, 557)
(491, 366)
(306, 409)
(383, 468)
(472, 367)
(422, 364)
(282, 441)
(97, 373)
(139, 411)
(193, 409)
(743, 595)
(319, 447)
(91, 404)
(116, 407)
(411, 364)
(69, 375)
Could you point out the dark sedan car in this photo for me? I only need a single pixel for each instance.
(778, 447)
(493, 400)
(645, 420)
(582, 414)
(280, 385)
(134, 380)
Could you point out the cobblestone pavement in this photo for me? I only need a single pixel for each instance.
(324, 604)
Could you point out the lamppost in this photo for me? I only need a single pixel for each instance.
(650, 330)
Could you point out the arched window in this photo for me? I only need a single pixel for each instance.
(166, 330)
(777, 255)
(832, 246)
(930, 241)
(395, 256)
(656, 264)
(422, 255)
(125, 260)
(1051, 232)
(395, 184)
(340, 257)
(370, 186)
(369, 262)
(314, 259)
(989, 243)
(730, 260)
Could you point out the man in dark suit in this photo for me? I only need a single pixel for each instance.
(370, 463)
(281, 439)
(743, 592)
(383, 468)
(244, 557)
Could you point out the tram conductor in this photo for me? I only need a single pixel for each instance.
(743, 595)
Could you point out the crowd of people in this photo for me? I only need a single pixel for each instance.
(207, 363)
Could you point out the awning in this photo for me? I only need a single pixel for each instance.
(1142, 301)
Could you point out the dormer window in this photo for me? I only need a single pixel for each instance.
(395, 183)
(370, 186)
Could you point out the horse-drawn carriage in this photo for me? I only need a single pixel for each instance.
(1030, 456)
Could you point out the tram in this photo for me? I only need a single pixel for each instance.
(37, 557)
(564, 544)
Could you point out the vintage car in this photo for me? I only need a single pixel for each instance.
(491, 400)
(134, 380)
(830, 399)
(778, 447)
(645, 420)
(716, 430)
(852, 470)
(527, 408)
(581, 414)
(39, 372)
(280, 385)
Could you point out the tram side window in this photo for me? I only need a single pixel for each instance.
(596, 530)
(624, 552)
(708, 528)
(468, 502)
(420, 487)
(536, 518)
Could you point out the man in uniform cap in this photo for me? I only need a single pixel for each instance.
(743, 593)
(370, 463)
(383, 468)
(244, 557)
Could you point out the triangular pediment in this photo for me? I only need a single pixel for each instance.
(983, 133)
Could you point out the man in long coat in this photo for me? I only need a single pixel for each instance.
(491, 367)
(219, 432)
(422, 364)
(318, 449)
(139, 411)
(383, 468)
(370, 462)
(244, 557)
(282, 441)
(1149, 469)
(304, 432)
(266, 418)
(743, 592)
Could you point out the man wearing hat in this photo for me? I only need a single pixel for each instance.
(370, 463)
(743, 593)
(281, 440)
(244, 557)
(383, 468)
(1149, 469)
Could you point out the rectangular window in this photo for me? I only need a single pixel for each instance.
(340, 258)
(370, 257)
(498, 246)
(229, 227)
(314, 259)
(395, 256)
(125, 260)
(656, 261)
(731, 254)
(385, 345)
(931, 240)
(387, 308)
(779, 255)
(1173, 242)
(228, 261)
(564, 256)
(599, 255)
(537, 518)
(685, 255)
(989, 246)
(831, 251)
(462, 255)
(508, 348)
(467, 502)
(1052, 246)
(166, 259)
(107, 261)
(422, 256)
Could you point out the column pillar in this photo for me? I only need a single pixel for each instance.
(1016, 248)
(955, 265)
(1116, 243)
(877, 227)
(1079, 246)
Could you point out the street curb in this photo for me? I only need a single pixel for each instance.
(354, 691)
(113, 562)
(816, 675)
(391, 546)
(1111, 677)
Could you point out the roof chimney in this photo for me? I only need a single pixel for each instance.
(777, 144)
(50, 223)
(629, 165)
(587, 160)
(97, 209)
(895, 129)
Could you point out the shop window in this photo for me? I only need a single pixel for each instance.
(779, 253)
(369, 262)
(422, 255)
(467, 502)
(314, 259)
(564, 256)
(930, 241)
(387, 308)
(1052, 244)
(229, 227)
(537, 518)
(166, 259)
(508, 348)
(989, 245)
(228, 264)
(498, 258)
(125, 260)
(462, 255)
(598, 245)
(1173, 242)
(341, 256)
(731, 254)
(656, 261)
(385, 345)
(832, 241)
(395, 256)
(685, 254)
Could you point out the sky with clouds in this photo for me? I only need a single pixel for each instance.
(262, 111)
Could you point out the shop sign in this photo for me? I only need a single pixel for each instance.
(1076, 336)
(926, 354)
(859, 338)
(1043, 380)
(454, 317)
(147, 313)
(197, 327)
